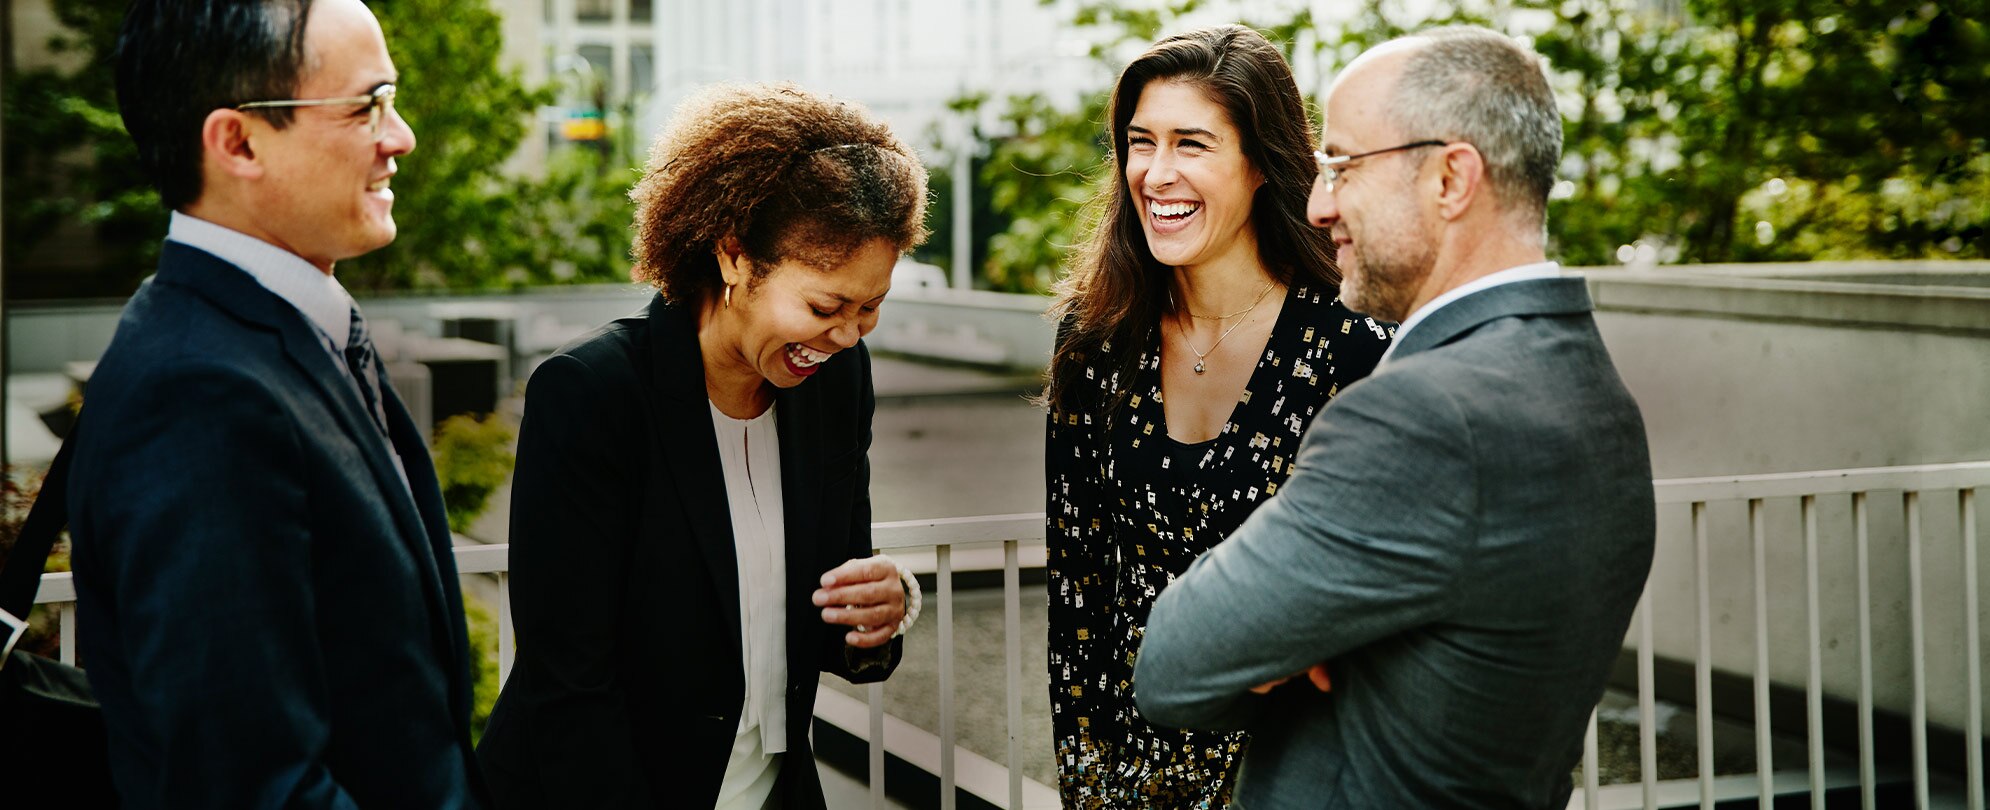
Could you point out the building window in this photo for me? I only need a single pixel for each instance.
(641, 70)
(594, 10)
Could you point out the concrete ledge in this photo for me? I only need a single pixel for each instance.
(1759, 296)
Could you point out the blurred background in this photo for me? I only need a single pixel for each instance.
(1701, 131)
(1782, 208)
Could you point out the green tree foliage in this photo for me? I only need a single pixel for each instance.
(1030, 192)
(465, 223)
(69, 162)
(1739, 130)
(482, 625)
(472, 459)
(1774, 130)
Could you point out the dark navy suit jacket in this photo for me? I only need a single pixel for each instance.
(266, 614)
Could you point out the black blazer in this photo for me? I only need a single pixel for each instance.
(266, 614)
(628, 683)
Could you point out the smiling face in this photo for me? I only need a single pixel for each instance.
(324, 194)
(1385, 243)
(1189, 178)
(783, 325)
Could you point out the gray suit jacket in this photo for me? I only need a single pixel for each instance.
(1463, 543)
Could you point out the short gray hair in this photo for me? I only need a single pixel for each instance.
(1465, 83)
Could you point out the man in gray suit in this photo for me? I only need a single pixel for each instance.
(1468, 530)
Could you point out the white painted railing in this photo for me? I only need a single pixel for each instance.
(1014, 534)
(1756, 490)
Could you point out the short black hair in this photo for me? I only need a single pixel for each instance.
(178, 60)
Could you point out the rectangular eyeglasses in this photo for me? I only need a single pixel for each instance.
(377, 103)
(1332, 167)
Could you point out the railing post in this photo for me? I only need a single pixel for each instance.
(1589, 765)
(945, 575)
(507, 641)
(65, 617)
(1920, 652)
(1765, 768)
(877, 745)
(1974, 647)
(1703, 659)
(1647, 708)
(1012, 635)
(1861, 529)
(1814, 683)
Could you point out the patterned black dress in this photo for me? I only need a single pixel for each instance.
(1129, 508)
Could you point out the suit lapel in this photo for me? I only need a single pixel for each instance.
(799, 422)
(236, 292)
(440, 563)
(689, 449)
(1548, 296)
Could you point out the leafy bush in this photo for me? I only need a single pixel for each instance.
(472, 459)
(1729, 130)
(484, 651)
(17, 495)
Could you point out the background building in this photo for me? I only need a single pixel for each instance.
(903, 59)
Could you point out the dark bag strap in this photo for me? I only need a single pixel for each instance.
(46, 520)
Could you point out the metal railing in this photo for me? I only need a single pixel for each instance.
(1013, 532)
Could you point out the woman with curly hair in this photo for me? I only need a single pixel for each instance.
(1201, 331)
(690, 516)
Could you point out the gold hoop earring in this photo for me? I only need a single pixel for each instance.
(727, 298)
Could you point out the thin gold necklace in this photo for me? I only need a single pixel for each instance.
(1202, 357)
(1254, 305)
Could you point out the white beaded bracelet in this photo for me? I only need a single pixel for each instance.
(913, 599)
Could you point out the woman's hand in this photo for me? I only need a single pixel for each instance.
(866, 595)
(1317, 674)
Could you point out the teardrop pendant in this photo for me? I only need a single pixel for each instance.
(1198, 367)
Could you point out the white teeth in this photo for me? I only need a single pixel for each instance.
(377, 185)
(1172, 209)
(803, 356)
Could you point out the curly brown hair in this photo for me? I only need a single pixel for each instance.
(788, 173)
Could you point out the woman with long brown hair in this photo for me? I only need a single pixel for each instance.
(1200, 331)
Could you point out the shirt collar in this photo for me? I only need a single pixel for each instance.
(1525, 272)
(315, 293)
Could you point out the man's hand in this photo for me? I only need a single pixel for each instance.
(1318, 675)
(866, 595)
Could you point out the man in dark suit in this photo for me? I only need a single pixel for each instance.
(269, 610)
(1457, 557)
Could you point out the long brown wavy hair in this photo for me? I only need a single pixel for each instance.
(1116, 291)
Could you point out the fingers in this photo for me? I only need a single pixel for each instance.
(868, 594)
(1267, 687)
(881, 616)
(868, 569)
(1318, 675)
(864, 594)
(875, 637)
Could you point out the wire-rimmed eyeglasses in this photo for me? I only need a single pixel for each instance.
(377, 103)
(1333, 166)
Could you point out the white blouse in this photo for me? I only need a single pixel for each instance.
(750, 456)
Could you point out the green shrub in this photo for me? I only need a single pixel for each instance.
(472, 459)
(484, 652)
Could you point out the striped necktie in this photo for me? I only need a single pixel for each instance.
(364, 364)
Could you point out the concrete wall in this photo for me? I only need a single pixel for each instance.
(1745, 370)
(43, 337)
